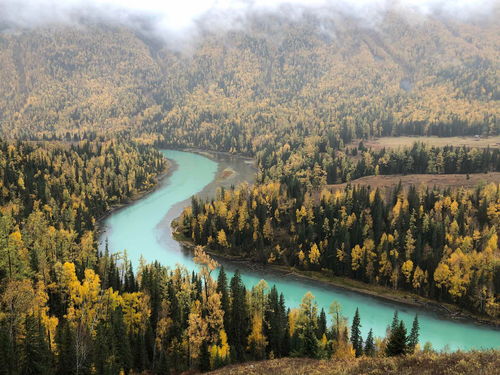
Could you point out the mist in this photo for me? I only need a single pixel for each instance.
(182, 18)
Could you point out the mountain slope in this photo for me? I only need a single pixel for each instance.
(288, 76)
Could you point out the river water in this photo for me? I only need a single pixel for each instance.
(143, 230)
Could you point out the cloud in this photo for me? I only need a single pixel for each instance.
(167, 17)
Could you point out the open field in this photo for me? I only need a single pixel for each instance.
(395, 142)
(477, 363)
(387, 182)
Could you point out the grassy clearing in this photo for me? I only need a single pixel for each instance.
(395, 142)
(387, 182)
(476, 363)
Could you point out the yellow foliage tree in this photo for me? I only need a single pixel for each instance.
(136, 311)
(256, 340)
(314, 254)
(406, 269)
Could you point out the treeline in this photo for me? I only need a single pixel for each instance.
(108, 320)
(324, 160)
(439, 244)
(421, 158)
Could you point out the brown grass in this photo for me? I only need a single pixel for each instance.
(474, 363)
(395, 142)
(387, 182)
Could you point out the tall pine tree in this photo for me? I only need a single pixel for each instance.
(36, 356)
(414, 334)
(356, 339)
(369, 344)
(238, 320)
(224, 296)
(321, 324)
(397, 344)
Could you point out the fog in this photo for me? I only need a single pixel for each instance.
(181, 17)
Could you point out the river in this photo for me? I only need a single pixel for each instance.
(143, 229)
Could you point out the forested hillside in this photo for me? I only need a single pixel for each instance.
(277, 79)
(83, 109)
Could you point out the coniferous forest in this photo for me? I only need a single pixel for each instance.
(86, 106)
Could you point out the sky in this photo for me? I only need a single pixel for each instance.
(173, 16)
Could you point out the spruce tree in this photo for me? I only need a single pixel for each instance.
(102, 348)
(35, 357)
(65, 342)
(321, 324)
(238, 320)
(121, 341)
(369, 344)
(395, 321)
(224, 295)
(272, 326)
(5, 352)
(309, 341)
(414, 334)
(130, 283)
(204, 357)
(397, 344)
(286, 341)
(357, 341)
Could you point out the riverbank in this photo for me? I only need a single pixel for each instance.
(326, 278)
(170, 168)
(210, 154)
(143, 230)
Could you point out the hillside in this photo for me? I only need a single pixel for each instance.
(477, 363)
(274, 79)
(317, 96)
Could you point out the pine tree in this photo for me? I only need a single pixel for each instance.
(103, 348)
(397, 344)
(395, 321)
(224, 295)
(321, 324)
(369, 344)
(35, 351)
(357, 341)
(121, 340)
(287, 340)
(65, 343)
(285, 326)
(238, 321)
(272, 326)
(414, 334)
(204, 357)
(130, 284)
(309, 341)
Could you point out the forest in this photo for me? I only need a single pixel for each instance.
(84, 111)
(318, 163)
(66, 308)
(278, 79)
(440, 244)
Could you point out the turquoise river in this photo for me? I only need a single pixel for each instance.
(143, 229)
